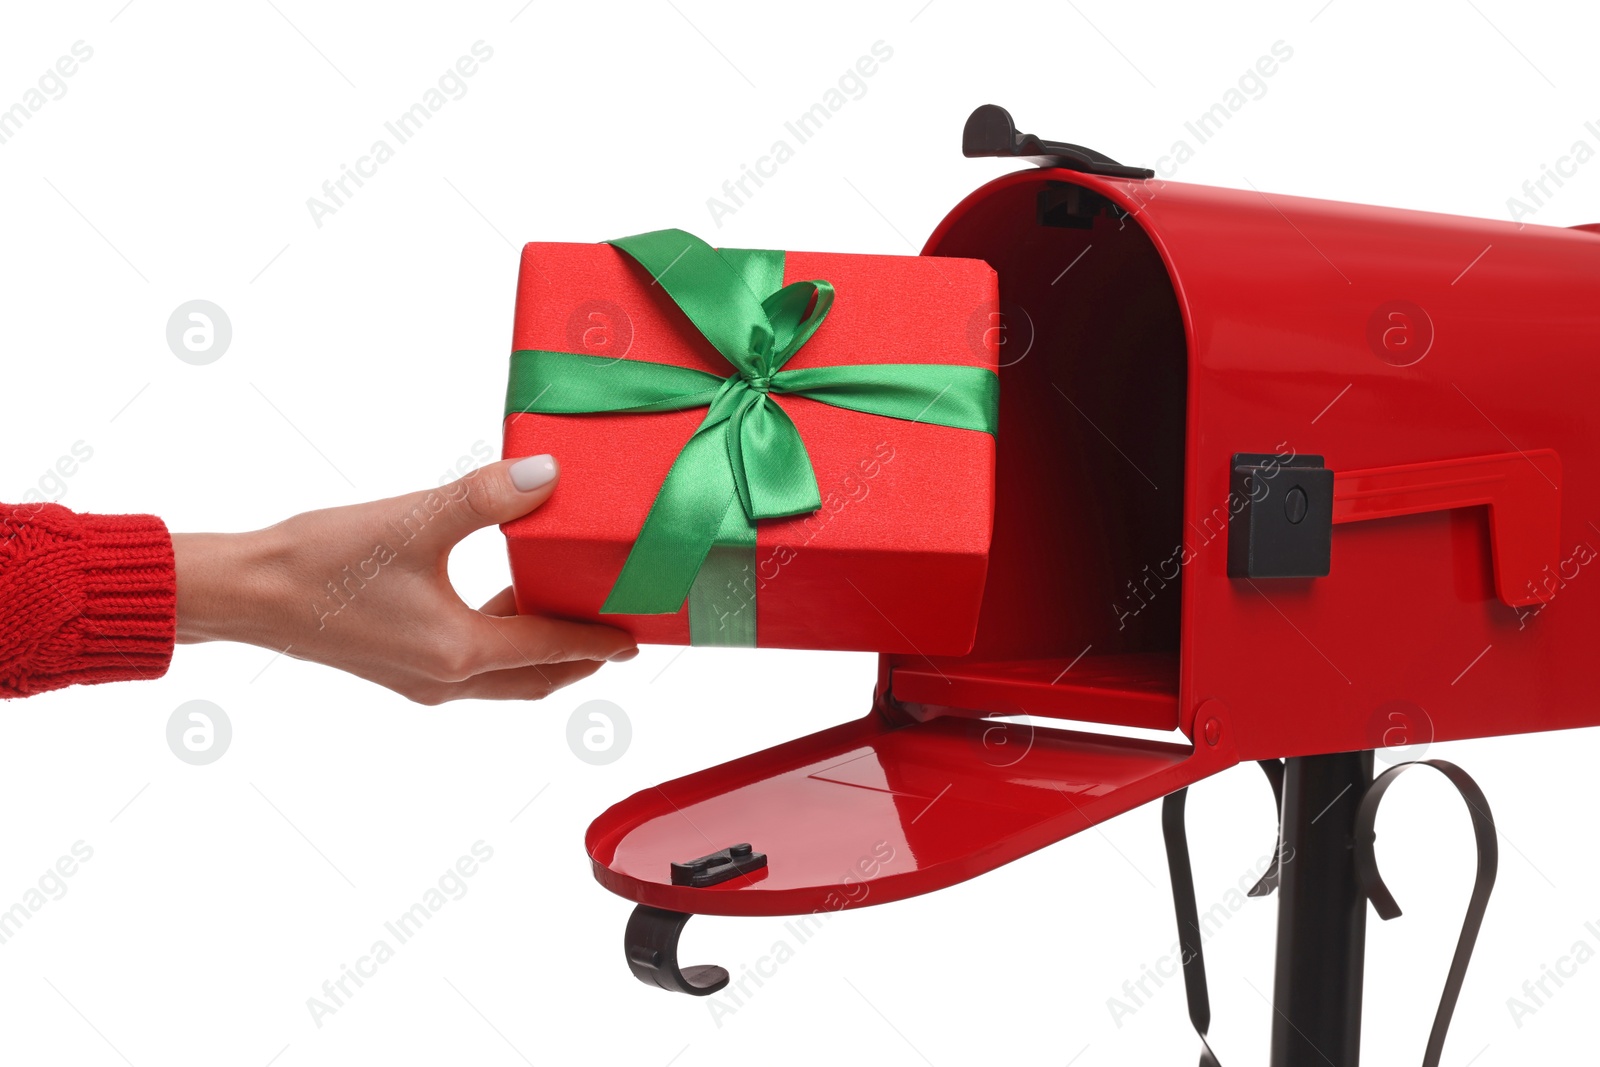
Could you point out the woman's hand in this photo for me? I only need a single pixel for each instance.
(364, 588)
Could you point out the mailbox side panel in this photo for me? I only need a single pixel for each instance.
(1377, 337)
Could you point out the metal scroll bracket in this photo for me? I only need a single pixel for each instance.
(1483, 884)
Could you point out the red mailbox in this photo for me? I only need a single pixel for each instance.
(1285, 477)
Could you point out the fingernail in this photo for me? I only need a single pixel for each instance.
(534, 471)
(624, 656)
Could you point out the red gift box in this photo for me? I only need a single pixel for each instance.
(893, 561)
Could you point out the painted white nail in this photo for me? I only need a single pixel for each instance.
(534, 471)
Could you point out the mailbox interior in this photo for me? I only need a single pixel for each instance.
(1080, 617)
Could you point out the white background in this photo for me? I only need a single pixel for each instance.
(369, 356)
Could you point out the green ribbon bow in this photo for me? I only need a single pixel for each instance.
(746, 460)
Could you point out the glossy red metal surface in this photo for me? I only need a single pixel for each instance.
(1442, 366)
(870, 811)
(1377, 338)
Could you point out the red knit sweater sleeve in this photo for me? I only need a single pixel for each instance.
(83, 598)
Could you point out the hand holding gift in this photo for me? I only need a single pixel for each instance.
(364, 588)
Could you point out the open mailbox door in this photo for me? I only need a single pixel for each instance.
(1276, 475)
(877, 810)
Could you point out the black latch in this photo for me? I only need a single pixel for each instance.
(1280, 521)
(990, 132)
(718, 867)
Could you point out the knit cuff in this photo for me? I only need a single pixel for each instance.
(130, 599)
(108, 584)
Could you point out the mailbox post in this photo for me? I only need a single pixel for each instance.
(1322, 914)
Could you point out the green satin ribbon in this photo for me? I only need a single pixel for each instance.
(746, 460)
